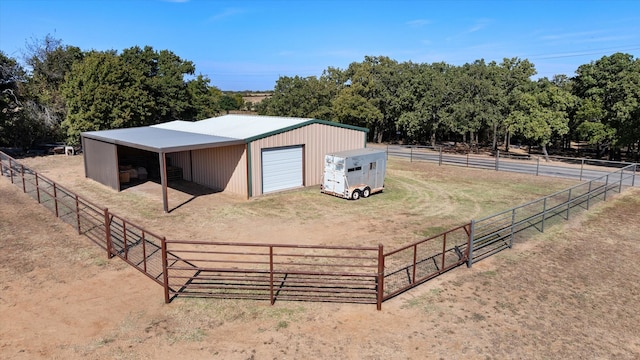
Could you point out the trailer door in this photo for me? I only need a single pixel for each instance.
(333, 179)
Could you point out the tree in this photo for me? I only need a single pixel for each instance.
(609, 113)
(296, 96)
(103, 92)
(542, 113)
(50, 61)
(513, 78)
(161, 75)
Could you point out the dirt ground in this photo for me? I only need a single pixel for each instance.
(572, 292)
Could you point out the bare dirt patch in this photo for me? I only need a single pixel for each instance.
(572, 292)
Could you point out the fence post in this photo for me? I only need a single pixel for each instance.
(411, 154)
(24, 187)
(273, 300)
(544, 212)
(165, 265)
(581, 168)
(144, 251)
(11, 170)
(380, 276)
(497, 160)
(569, 204)
(37, 188)
(440, 157)
(470, 247)
(107, 233)
(387, 151)
(78, 215)
(620, 185)
(589, 194)
(55, 198)
(444, 250)
(633, 178)
(467, 159)
(606, 185)
(415, 260)
(124, 239)
(513, 221)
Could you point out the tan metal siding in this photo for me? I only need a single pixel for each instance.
(101, 162)
(317, 139)
(182, 160)
(222, 169)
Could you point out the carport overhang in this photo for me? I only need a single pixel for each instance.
(160, 141)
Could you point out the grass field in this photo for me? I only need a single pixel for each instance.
(571, 292)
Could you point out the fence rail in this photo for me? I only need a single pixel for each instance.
(497, 232)
(413, 264)
(306, 272)
(273, 271)
(563, 167)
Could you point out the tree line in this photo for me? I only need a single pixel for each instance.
(495, 104)
(66, 91)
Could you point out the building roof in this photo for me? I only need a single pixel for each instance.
(224, 130)
(160, 140)
(246, 127)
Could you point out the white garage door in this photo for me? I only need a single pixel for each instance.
(281, 168)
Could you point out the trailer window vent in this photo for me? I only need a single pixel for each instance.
(355, 169)
(372, 166)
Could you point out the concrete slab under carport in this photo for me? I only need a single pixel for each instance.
(157, 140)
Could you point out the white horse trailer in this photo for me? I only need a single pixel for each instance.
(354, 173)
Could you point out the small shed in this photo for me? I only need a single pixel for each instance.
(247, 155)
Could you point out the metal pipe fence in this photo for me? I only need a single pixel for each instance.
(500, 161)
(497, 232)
(273, 271)
(308, 272)
(413, 264)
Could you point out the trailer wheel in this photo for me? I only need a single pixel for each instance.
(355, 195)
(366, 192)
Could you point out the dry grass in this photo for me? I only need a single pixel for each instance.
(571, 292)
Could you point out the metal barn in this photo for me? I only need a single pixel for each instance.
(243, 154)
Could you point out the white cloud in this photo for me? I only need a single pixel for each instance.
(226, 13)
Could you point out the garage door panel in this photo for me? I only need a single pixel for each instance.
(281, 168)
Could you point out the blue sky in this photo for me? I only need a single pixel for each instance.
(248, 45)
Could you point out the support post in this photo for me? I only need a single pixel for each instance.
(606, 185)
(538, 166)
(144, 251)
(470, 246)
(581, 168)
(380, 277)
(497, 160)
(467, 159)
(633, 178)
(163, 180)
(440, 157)
(165, 265)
